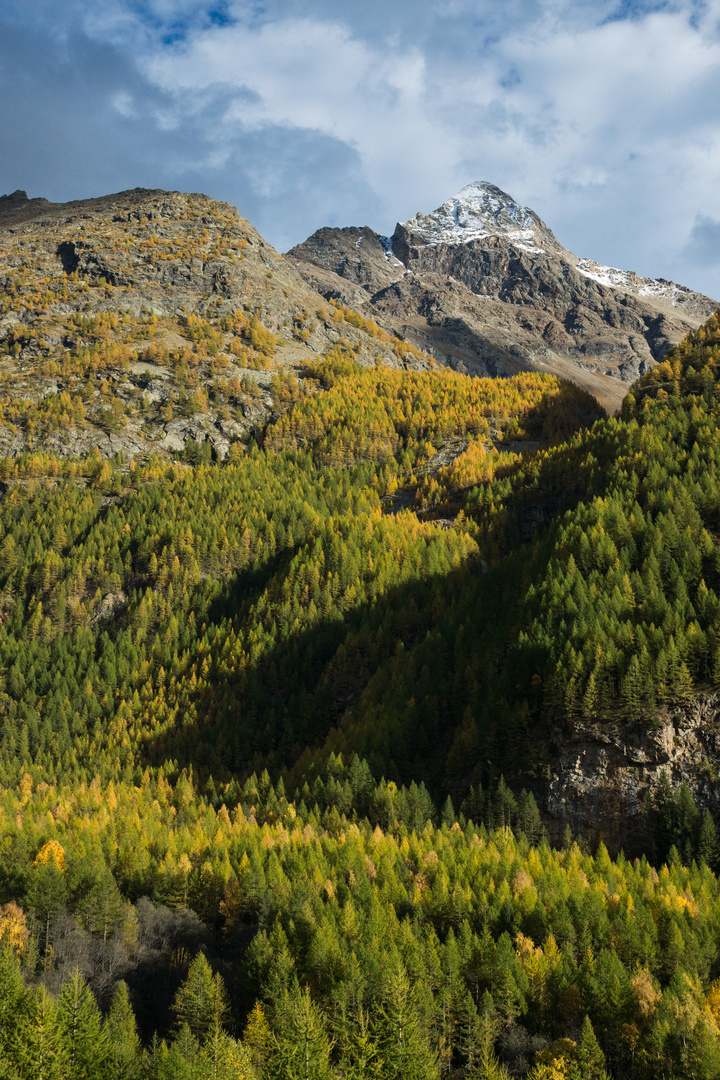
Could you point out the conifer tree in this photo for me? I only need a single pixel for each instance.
(470, 1033)
(589, 1061)
(404, 1048)
(121, 1033)
(103, 907)
(301, 1047)
(448, 813)
(47, 896)
(483, 1063)
(222, 1058)
(528, 819)
(360, 1057)
(257, 1037)
(40, 1053)
(12, 996)
(707, 845)
(201, 1001)
(79, 1024)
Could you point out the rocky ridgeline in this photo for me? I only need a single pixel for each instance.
(485, 286)
(152, 322)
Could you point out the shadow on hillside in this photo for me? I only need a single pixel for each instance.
(427, 681)
(349, 682)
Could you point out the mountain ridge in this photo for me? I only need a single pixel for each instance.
(194, 303)
(484, 286)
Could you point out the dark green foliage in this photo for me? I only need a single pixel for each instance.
(39, 1052)
(12, 997)
(301, 1048)
(590, 1060)
(121, 1034)
(206, 667)
(201, 1002)
(403, 1046)
(673, 822)
(83, 1039)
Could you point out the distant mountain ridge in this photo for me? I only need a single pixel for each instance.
(483, 284)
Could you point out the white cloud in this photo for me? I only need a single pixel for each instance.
(124, 103)
(317, 76)
(603, 115)
(565, 100)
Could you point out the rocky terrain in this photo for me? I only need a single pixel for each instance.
(154, 322)
(483, 284)
(602, 772)
(158, 322)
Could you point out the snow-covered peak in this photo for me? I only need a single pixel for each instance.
(482, 210)
(479, 210)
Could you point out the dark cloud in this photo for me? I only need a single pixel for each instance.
(638, 9)
(80, 121)
(61, 135)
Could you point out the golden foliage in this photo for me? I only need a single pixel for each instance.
(13, 927)
(52, 852)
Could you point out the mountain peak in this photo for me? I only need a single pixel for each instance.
(478, 210)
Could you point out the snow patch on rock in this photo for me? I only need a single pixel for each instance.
(629, 281)
(480, 209)
(386, 242)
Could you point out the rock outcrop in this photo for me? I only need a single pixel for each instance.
(599, 773)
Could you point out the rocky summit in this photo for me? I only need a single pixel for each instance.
(154, 322)
(483, 284)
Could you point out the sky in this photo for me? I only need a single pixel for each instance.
(601, 115)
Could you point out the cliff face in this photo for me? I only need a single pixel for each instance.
(601, 773)
(484, 285)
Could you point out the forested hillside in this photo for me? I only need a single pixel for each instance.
(274, 729)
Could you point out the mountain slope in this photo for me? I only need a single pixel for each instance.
(148, 322)
(362, 507)
(484, 285)
(255, 708)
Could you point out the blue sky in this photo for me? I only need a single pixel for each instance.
(603, 115)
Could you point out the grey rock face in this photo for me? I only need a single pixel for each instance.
(357, 255)
(600, 773)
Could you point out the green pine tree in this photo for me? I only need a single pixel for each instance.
(589, 1061)
(360, 1055)
(121, 1032)
(201, 1001)
(83, 1038)
(707, 845)
(301, 1047)
(12, 996)
(39, 1053)
(223, 1058)
(404, 1047)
